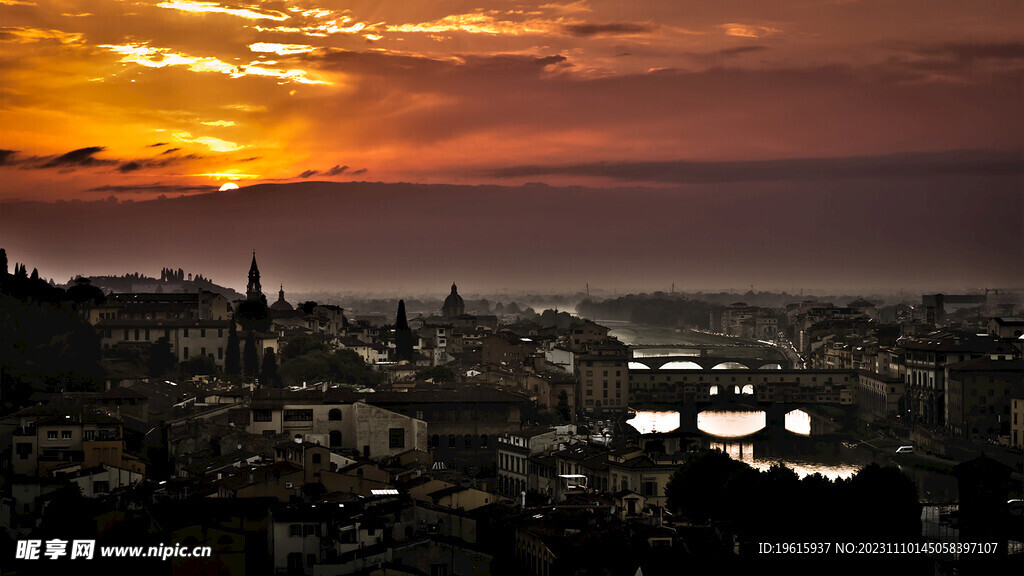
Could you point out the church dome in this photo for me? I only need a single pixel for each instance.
(453, 304)
(281, 304)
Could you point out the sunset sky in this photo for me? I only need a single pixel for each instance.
(136, 99)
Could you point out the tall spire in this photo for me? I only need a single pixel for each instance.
(253, 291)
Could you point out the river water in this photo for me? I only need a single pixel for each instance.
(731, 430)
(735, 432)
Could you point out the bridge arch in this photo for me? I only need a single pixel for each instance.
(638, 366)
(730, 366)
(771, 367)
(681, 365)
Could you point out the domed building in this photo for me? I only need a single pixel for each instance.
(281, 305)
(453, 305)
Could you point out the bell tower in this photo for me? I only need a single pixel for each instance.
(253, 291)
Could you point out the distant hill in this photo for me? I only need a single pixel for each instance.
(141, 283)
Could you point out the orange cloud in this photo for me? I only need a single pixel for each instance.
(150, 57)
(749, 30)
(251, 12)
(25, 35)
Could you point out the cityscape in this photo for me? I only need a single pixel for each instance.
(304, 287)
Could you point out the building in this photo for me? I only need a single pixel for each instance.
(463, 421)
(768, 386)
(1017, 421)
(281, 305)
(631, 469)
(926, 359)
(337, 421)
(514, 450)
(583, 334)
(979, 396)
(253, 290)
(602, 378)
(50, 439)
(453, 306)
(879, 396)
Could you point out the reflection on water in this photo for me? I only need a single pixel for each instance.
(647, 422)
(731, 424)
(744, 452)
(798, 422)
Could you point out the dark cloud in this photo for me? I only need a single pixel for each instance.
(83, 157)
(963, 162)
(738, 50)
(6, 155)
(337, 170)
(150, 188)
(158, 144)
(358, 172)
(971, 52)
(170, 150)
(129, 166)
(613, 29)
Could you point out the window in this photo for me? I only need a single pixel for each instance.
(468, 440)
(451, 440)
(202, 333)
(262, 415)
(220, 332)
(51, 434)
(334, 414)
(483, 439)
(310, 560)
(185, 352)
(308, 530)
(220, 353)
(186, 333)
(298, 415)
(396, 438)
(316, 458)
(65, 434)
(100, 486)
(23, 450)
(295, 529)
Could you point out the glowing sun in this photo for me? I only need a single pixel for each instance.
(229, 186)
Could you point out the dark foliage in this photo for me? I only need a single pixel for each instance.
(877, 505)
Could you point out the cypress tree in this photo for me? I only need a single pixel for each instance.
(403, 335)
(250, 358)
(268, 373)
(232, 358)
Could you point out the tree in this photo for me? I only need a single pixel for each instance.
(563, 409)
(300, 346)
(250, 358)
(232, 357)
(437, 374)
(161, 358)
(198, 365)
(254, 314)
(403, 335)
(268, 373)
